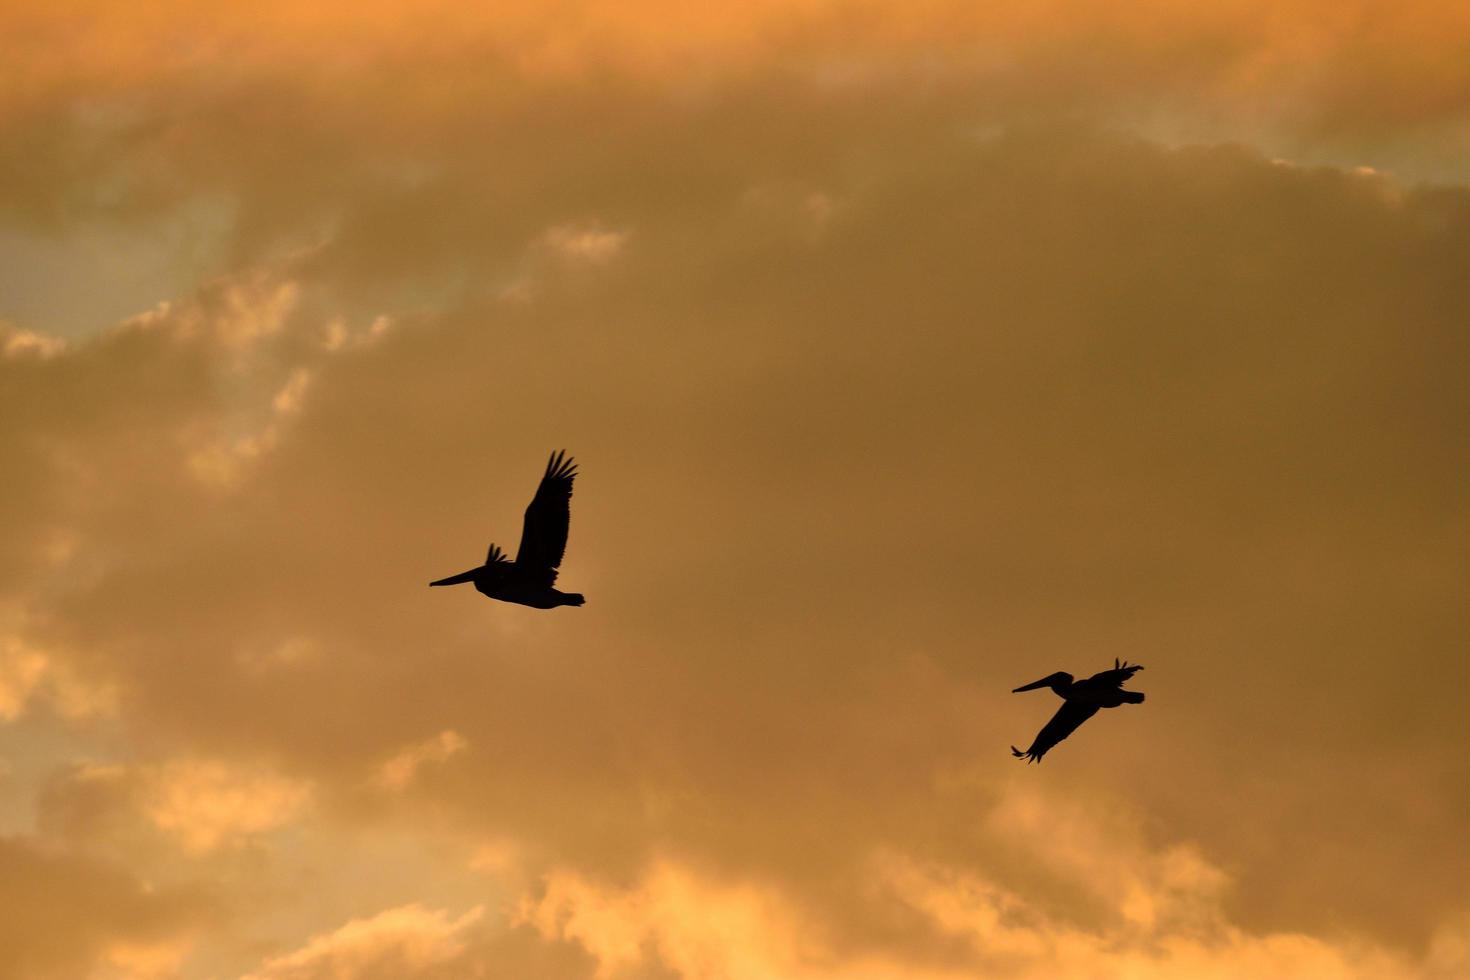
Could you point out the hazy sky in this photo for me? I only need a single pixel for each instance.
(909, 352)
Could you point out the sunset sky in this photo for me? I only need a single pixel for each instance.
(909, 352)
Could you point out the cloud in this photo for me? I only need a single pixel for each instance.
(1084, 397)
(147, 961)
(416, 942)
(23, 343)
(199, 805)
(592, 244)
(369, 114)
(696, 928)
(68, 913)
(208, 804)
(897, 376)
(396, 943)
(397, 772)
(31, 676)
(21, 670)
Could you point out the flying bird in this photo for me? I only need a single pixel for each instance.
(1080, 701)
(529, 580)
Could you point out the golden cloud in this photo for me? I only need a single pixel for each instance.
(901, 369)
(396, 943)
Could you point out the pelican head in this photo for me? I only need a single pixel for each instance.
(1058, 682)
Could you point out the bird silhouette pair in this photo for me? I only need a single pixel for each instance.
(530, 581)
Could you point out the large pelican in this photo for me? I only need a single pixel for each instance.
(529, 579)
(1080, 701)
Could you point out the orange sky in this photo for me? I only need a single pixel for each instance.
(908, 352)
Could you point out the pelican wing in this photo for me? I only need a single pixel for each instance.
(497, 567)
(544, 535)
(1066, 721)
(1115, 677)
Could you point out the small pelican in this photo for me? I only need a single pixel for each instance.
(529, 579)
(1080, 701)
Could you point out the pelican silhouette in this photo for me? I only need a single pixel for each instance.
(1080, 701)
(529, 579)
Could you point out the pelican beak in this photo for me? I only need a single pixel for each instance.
(468, 576)
(1045, 681)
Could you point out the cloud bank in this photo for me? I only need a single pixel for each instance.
(904, 361)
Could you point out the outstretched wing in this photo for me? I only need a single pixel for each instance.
(544, 535)
(1066, 721)
(1115, 677)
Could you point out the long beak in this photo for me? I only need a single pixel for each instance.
(1044, 682)
(468, 576)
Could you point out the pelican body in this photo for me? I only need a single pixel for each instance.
(1080, 701)
(529, 580)
(499, 579)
